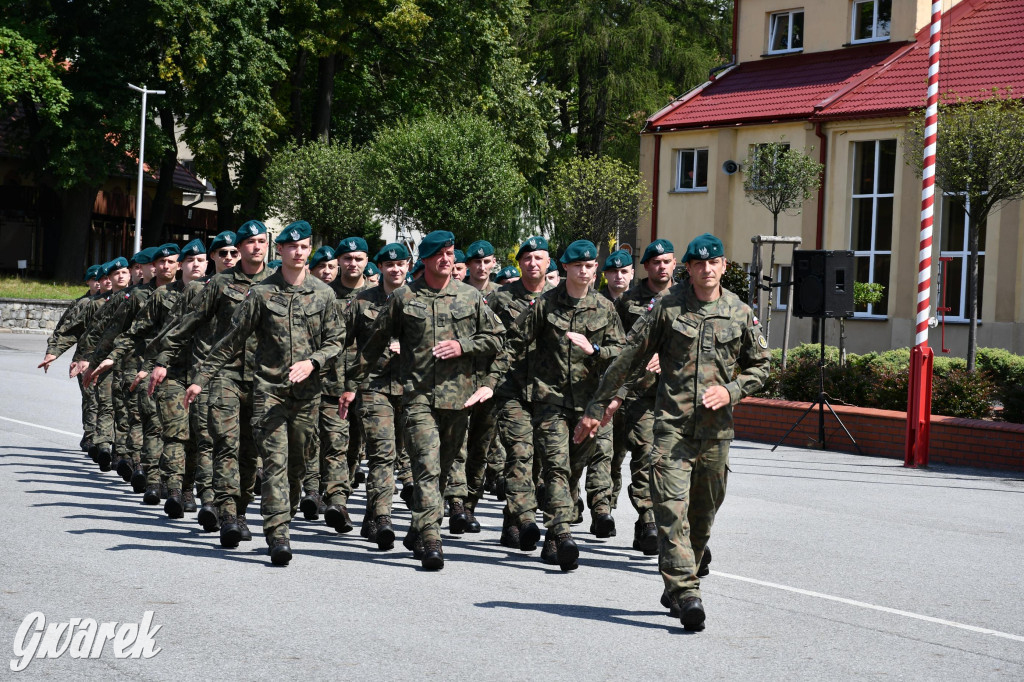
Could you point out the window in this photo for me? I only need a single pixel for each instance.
(691, 170)
(954, 244)
(871, 19)
(874, 178)
(786, 32)
(783, 276)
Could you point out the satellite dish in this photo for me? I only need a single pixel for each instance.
(730, 167)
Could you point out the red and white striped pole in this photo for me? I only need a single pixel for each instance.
(919, 394)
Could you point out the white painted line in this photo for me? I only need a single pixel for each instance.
(47, 428)
(865, 605)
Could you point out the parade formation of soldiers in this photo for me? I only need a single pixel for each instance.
(452, 381)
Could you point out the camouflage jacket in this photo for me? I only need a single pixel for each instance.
(420, 318)
(333, 375)
(120, 322)
(289, 323)
(700, 345)
(214, 308)
(631, 306)
(562, 373)
(98, 321)
(184, 303)
(361, 315)
(147, 325)
(70, 326)
(508, 303)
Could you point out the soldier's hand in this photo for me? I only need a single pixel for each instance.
(78, 368)
(300, 371)
(395, 347)
(582, 341)
(609, 411)
(191, 394)
(654, 365)
(482, 394)
(447, 350)
(157, 378)
(586, 428)
(93, 376)
(138, 380)
(715, 397)
(47, 361)
(343, 402)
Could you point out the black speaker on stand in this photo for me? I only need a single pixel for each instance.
(822, 288)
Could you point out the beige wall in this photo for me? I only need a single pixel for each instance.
(827, 23)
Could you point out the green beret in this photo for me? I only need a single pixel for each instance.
(370, 270)
(144, 257)
(579, 250)
(552, 265)
(223, 239)
(657, 248)
(506, 273)
(276, 263)
(704, 247)
(93, 272)
(416, 267)
(250, 228)
(294, 232)
(166, 251)
(193, 248)
(435, 241)
(116, 264)
(392, 251)
(324, 253)
(351, 245)
(460, 257)
(618, 259)
(479, 249)
(536, 243)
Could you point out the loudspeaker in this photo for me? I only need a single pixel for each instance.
(823, 283)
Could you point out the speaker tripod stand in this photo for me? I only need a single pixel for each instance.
(821, 403)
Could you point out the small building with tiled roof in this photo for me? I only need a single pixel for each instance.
(838, 79)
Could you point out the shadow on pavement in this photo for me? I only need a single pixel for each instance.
(596, 613)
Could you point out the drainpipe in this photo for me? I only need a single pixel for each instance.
(655, 176)
(819, 235)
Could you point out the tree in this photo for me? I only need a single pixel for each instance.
(27, 79)
(781, 179)
(323, 184)
(455, 173)
(979, 164)
(594, 198)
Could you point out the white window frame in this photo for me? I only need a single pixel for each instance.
(696, 151)
(875, 36)
(874, 252)
(784, 274)
(772, 26)
(962, 254)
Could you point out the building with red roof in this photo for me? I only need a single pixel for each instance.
(839, 79)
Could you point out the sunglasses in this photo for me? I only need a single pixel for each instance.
(225, 253)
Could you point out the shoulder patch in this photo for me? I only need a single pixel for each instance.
(761, 341)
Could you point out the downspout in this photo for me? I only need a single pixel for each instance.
(655, 176)
(819, 233)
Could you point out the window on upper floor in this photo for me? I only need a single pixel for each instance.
(955, 245)
(691, 170)
(871, 223)
(786, 31)
(871, 20)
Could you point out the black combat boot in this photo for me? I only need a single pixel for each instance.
(280, 552)
(529, 535)
(368, 529)
(668, 603)
(603, 525)
(124, 469)
(103, 457)
(433, 556)
(549, 553)
(85, 444)
(691, 613)
(457, 518)
(208, 517)
(188, 501)
(705, 562)
(510, 535)
(138, 480)
(173, 507)
(414, 543)
(243, 528)
(385, 532)
(336, 516)
(645, 537)
(309, 505)
(94, 453)
(472, 525)
(567, 552)
(230, 532)
(152, 494)
(406, 494)
(258, 487)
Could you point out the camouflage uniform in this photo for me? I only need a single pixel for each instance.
(111, 417)
(198, 413)
(435, 391)
(699, 345)
(66, 333)
(563, 379)
(513, 407)
(230, 400)
(290, 323)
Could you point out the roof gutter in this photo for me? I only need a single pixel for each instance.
(655, 179)
(819, 232)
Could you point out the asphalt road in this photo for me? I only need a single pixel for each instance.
(827, 566)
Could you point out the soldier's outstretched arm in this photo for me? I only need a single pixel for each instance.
(333, 325)
(243, 324)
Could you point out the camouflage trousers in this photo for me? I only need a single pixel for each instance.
(620, 448)
(284, 428)
(479, 440)
(151, 445)
(134, 440)
(88, 409)
(515, 430)
(383, 424)
(122, 415)
(327, 468)
(640, 439)
(105, 430)
(688, 481)
(234, 449)
(434, 438)
(178, 461)
(563, 463)
(354, 454)
(202, 442)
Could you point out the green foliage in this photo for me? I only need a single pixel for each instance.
(780, 178)
(595, 198)
(322, 183)
(1007, 372)
(959, 393)
(29, 79)
(19, 287)
(455, 173)
(737, 281)
(865, 294)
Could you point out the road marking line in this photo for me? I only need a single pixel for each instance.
(47, 428)
(865, 605)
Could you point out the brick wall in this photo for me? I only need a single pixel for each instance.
(881, 433)
(30, 316)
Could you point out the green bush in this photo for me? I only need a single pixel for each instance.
(1007, 372)
(959, 393)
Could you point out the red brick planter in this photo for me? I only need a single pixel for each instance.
(881, 433)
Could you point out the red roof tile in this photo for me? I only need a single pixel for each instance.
(982, 48)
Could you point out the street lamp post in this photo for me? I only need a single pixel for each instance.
(142, 150)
